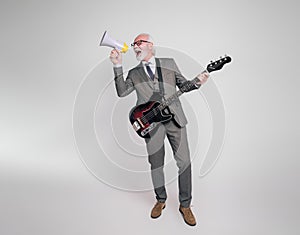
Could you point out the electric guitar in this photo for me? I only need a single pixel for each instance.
(146, 117)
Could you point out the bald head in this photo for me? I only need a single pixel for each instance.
(144, 36)
(143, 46)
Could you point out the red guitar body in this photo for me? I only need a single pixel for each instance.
(145, 117)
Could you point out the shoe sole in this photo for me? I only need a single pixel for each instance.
(158, 215)
(185, 220)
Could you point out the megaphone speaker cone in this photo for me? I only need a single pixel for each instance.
(106, 40)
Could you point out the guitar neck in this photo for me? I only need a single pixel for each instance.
(178, 93)
(213, 66)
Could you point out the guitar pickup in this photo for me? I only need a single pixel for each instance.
(136, 126)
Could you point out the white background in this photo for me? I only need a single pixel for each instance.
(48, 47)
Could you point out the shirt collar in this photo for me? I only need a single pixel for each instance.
(151, 61)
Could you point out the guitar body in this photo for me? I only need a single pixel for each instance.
(146, 117)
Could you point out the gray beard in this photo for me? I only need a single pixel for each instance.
(141, 56)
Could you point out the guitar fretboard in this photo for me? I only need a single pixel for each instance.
(186, 87)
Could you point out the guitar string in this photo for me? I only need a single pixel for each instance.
(154, 111)
(214, 67)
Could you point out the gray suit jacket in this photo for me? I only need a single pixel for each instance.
(138, 80)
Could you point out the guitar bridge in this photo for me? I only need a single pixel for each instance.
(148, 129)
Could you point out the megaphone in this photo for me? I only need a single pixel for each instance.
(110, 42)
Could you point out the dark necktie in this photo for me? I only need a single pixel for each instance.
(151, 75)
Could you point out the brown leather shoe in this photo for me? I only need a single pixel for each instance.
(157, 209)
(188, 216)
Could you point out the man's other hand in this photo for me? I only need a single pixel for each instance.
(115, 57)
(203, 77)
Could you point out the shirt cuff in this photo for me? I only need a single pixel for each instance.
(117, 65)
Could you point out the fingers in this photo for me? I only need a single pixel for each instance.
(205, 73)
(203, 77)
(114, 53)
(115, 56)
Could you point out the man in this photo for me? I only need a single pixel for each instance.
(146, 81)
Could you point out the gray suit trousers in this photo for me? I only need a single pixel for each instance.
(177, 137)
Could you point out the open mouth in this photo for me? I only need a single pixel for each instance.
(138, 53)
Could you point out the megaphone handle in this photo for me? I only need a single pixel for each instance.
(116, 56)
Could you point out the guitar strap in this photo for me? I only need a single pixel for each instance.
(160, 80)
(161, 86)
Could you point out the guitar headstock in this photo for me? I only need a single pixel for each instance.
(218, 64)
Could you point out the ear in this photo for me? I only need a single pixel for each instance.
(150, 46)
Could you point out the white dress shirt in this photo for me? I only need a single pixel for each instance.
(151, 64)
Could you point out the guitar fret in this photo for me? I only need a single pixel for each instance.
(169, 100)
(186, 87)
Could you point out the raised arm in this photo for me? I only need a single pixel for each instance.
(123, 87)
